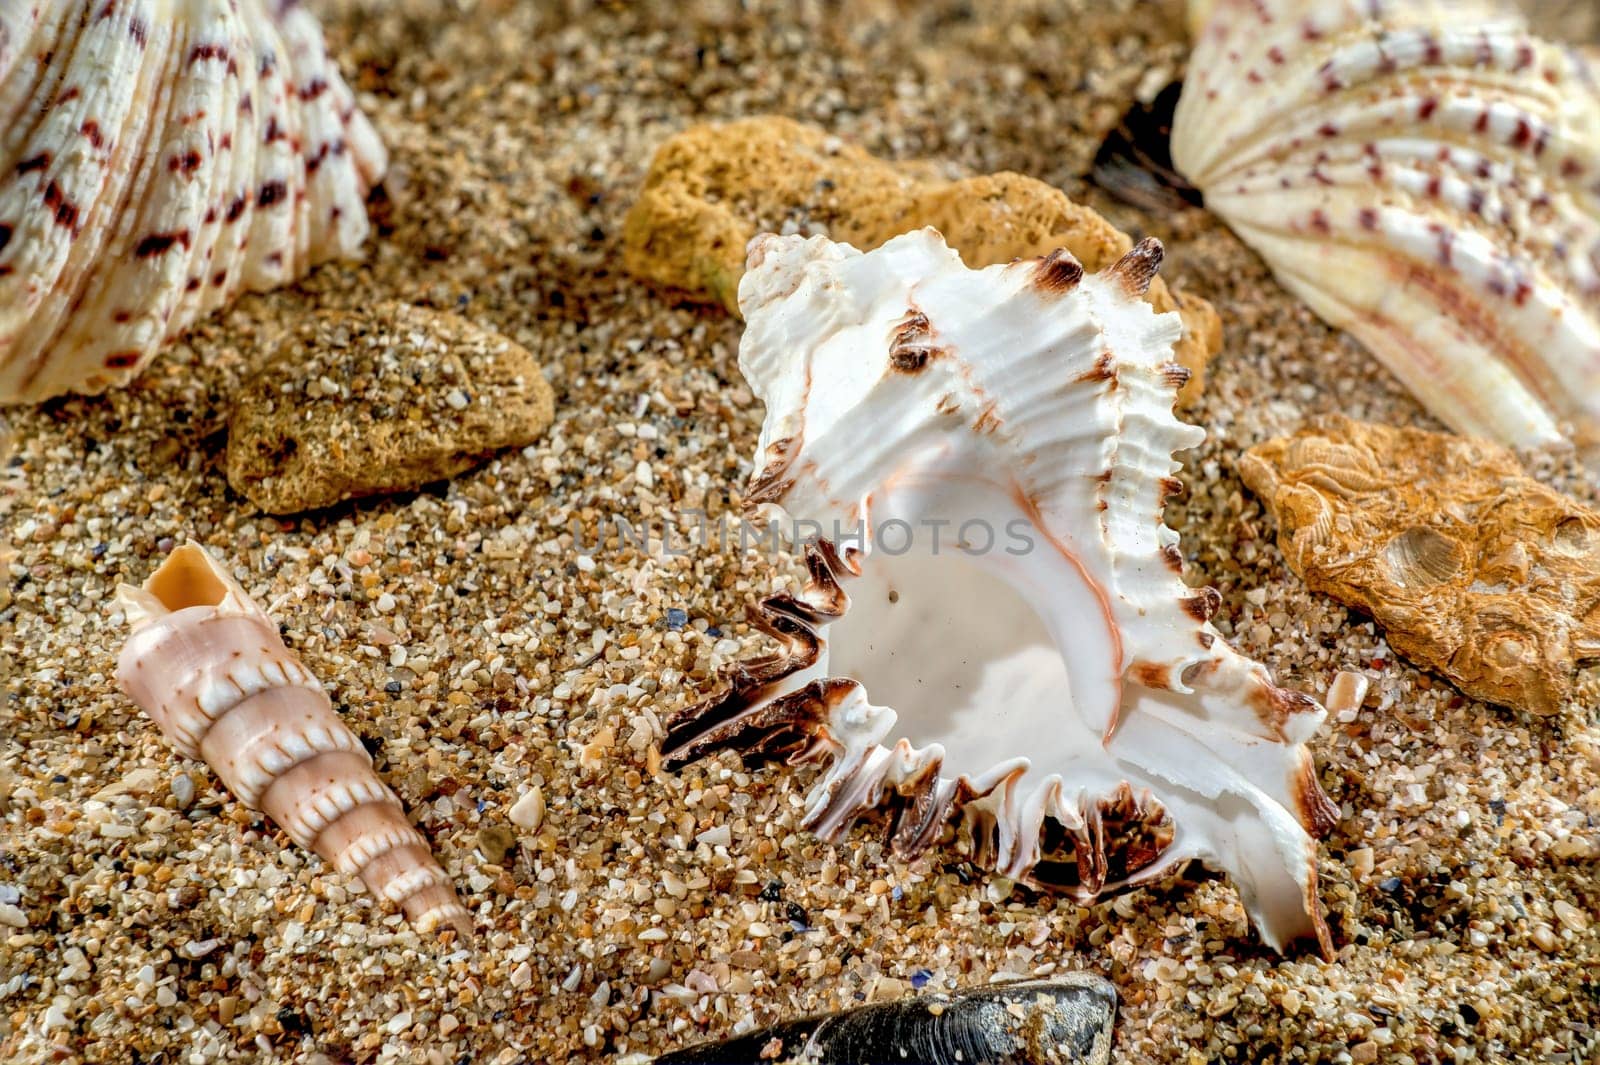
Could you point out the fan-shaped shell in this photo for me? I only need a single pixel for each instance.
(1067, 699)
(1426, 175)
(157, 157)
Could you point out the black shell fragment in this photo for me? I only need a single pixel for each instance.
(1134, 163)
(1061, 1021)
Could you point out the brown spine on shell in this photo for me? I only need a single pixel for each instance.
(1122, 833)
(1137, 269)
(208, 667)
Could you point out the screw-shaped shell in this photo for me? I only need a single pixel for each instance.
(207, 664)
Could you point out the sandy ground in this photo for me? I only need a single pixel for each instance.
(465, 636)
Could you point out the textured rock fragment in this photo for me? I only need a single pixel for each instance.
(1473, 569)
(156, 159)
(712, 188)
(1064, 1021)
(382, 400)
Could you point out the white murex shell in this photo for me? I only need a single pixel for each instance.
(157, 157)
(1425, 175)
(1054, 684)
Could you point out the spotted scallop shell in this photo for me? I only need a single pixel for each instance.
(1043, 676)
(1426, 175)
(158, 157)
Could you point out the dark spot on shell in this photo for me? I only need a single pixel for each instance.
(1368, 218)
(1203, 605)
(159, 243)
(1137, 269)
(1104, 368)
(37, 162)
(187, 163)
(271, 192)
(315, 88)
(1058, 272)
(207, 51)
(91, 132)
(911, 345)
(121, 360)
(66, 212)
(1152, 675)
(772, 482)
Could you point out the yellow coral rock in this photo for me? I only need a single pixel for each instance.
(713, 187)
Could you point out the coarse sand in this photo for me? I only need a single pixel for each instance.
(485, 649)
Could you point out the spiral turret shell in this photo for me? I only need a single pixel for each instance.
(208, 666)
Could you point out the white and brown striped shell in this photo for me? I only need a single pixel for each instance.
(1426, 175)
(1042, 676)
(158, 157)
(208, 666)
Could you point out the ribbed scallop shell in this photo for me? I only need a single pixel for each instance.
(158, 157)
(209, 668)
(902, 387)
(1426, 175)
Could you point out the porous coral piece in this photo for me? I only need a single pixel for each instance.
(1474, 570)
(159, 158)
(358, 403)
(209, 668)
(711, 188)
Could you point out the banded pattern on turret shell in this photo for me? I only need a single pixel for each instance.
(208, 666)
(1426, 175)
(158, 157)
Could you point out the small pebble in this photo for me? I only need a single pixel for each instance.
(495, 842)
(528, 811)
(1570, 916)
(182, 788)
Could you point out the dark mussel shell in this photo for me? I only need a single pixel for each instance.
(1062, 1021)
(1134, 162)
